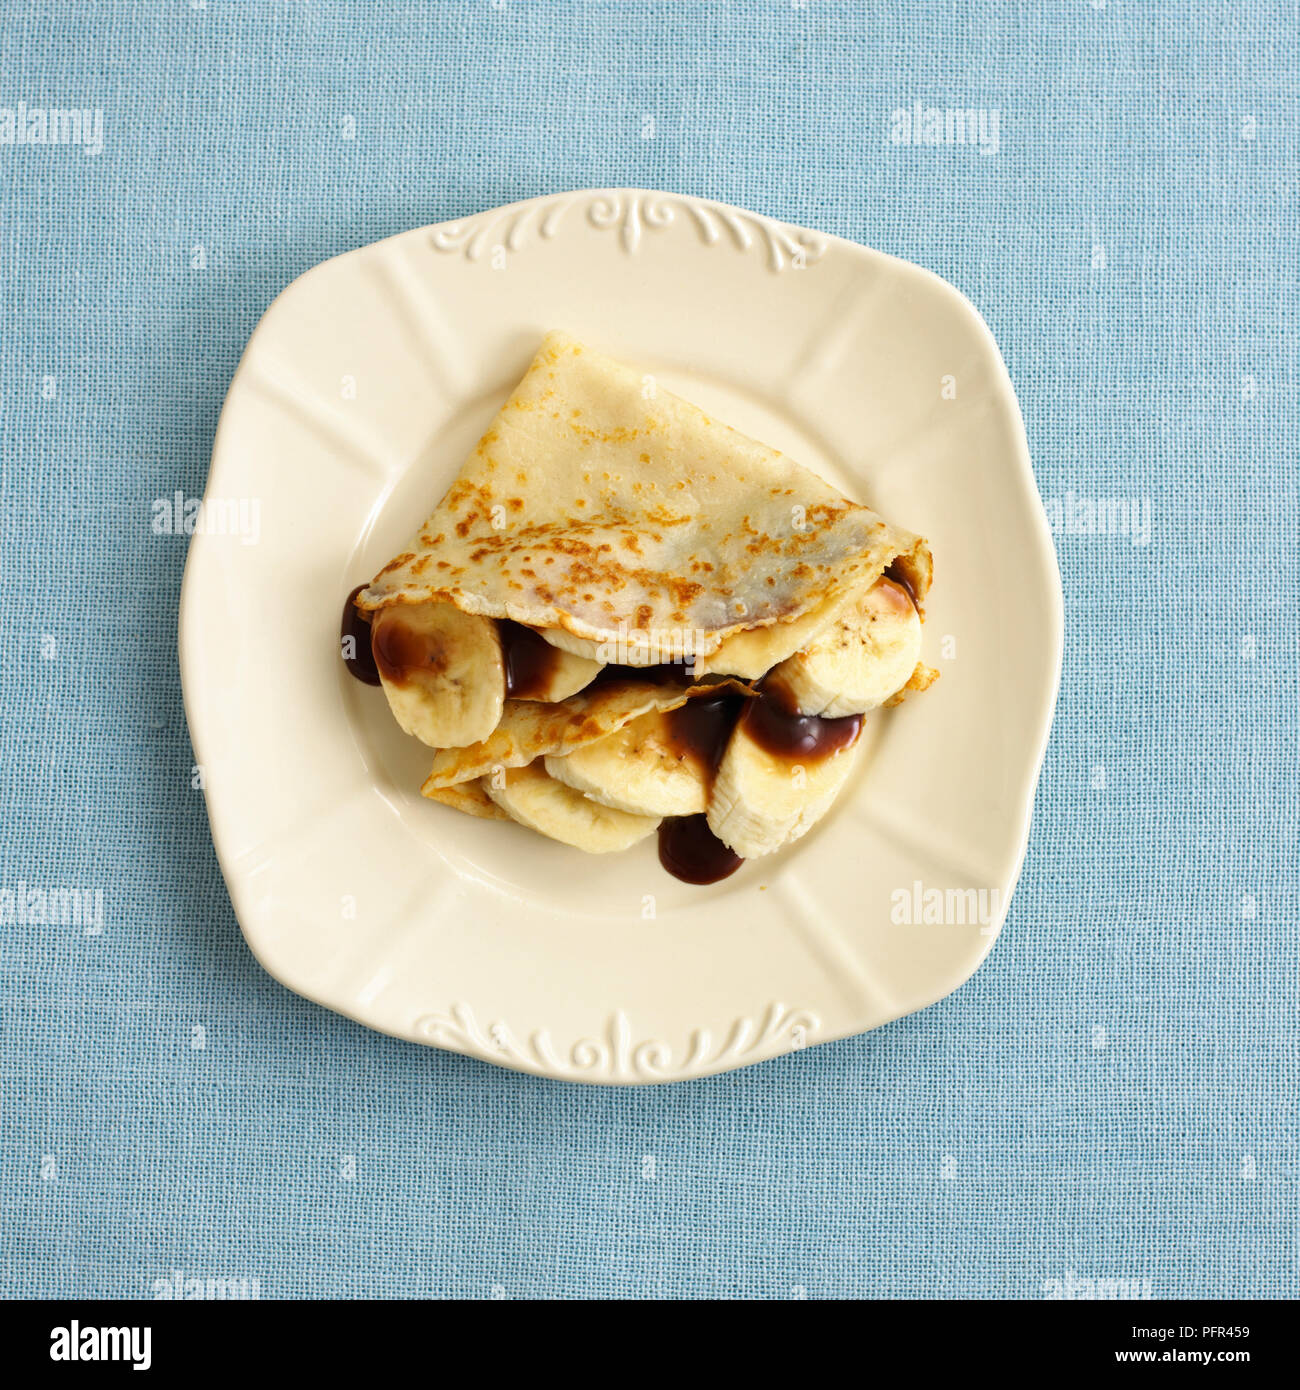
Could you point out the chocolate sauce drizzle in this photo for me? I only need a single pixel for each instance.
(896, 576)
(401, 651)
(775, 724)
(610, 677)
(690, 851)
(356, 625)
(529, 659)
(701, 728)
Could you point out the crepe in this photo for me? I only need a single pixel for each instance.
(468, 797)
(600, 505)
(529, 729)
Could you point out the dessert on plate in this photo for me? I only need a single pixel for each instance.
(626, 617)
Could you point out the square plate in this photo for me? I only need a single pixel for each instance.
(361, 392)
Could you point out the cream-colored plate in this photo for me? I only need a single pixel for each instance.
(362, 390)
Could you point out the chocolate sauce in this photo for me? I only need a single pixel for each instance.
(776, 725)
(700, 728)
(401, 651)
(356, 625)
(690, 851)
(896, 576)
(671, 674)
(530, 660)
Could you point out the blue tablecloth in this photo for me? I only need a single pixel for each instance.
(1112, 1098)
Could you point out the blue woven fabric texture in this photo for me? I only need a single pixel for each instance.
(1112, 1097)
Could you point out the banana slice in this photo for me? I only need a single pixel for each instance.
(609, 653)
(763, 800)
(865, 655)
(752, 654)
(538, 670)
(565, 641)
(535, 799)
(568, 674)
(641, 769)
(442, 671)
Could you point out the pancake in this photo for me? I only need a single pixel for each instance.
(601, 509)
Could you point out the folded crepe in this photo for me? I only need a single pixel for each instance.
(603, 526)
(601, 507)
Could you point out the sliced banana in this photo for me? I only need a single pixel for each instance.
(611, 653)
(566, 677)
(565, 641)
(640, 769)
(441, 670)
(865, 655)
(532, 797)
(538, 670)
(752, 654)
(762, 801)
